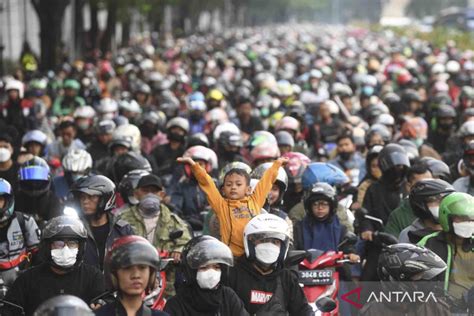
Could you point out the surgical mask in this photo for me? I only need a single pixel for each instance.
(267, 252)
(464, 229)
(83, 125)
(149, 206)
(434, 211)
(418, 142)
(208, 279)
(5, 154)
(65, 257)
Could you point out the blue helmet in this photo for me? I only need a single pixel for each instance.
(197, 96)
(323, 172)
(7, 193)
(34, 176)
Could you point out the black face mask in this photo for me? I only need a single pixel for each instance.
(148, 131)
(176, 137)
(345, 155)
(445, 127)
(394, 176)
(196, 116)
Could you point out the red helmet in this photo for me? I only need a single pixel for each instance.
(296, 165)
(201, 153)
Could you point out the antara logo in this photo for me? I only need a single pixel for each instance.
(402, 297)
(260, 297)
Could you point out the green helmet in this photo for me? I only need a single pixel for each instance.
(71, 84)
(455, 204)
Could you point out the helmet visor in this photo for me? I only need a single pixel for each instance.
(34, 173)
(209, 252)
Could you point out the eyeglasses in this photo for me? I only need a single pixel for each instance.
(59, 244)
(85, 196)
(321, 204)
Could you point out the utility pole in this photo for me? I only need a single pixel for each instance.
(9, 30)
(25, 19)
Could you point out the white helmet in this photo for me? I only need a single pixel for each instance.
(178, 122)
(15, 85)
(85, 111)
(453, 67)
(266, 226)
(385, 119)
(130, 106)
(130, 132)
(225, 127)
(77, 161)
(108, 106)
(36, 136)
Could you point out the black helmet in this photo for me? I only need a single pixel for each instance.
(407, 262)
(410, 95)
(320, 191)
(411, 149)
(393, 155)
(439, 169)
(34, 177)
(132, 250)
(230, 139)
(97, 185)
(123, 164)
(203, 250)
(391, 99)
(63, 305)
(129, 184)
(284, 139)
(198, 139)
(424, 190)
(446, 111)
(60, 228)
(379, 129)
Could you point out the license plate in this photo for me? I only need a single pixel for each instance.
(315, 277)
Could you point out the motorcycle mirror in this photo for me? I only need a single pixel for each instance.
(20, 309)
(175, 234)
(350, 239)
(360, 213)
(295, 256)
(385, 238)
(326, 304)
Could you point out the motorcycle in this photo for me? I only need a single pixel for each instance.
(318, 276)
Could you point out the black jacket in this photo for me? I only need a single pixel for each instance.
(191, 300)
(41, 208)
(40, 283)
(380, 200)
(249, 285)
(117, 228)
(116, 309)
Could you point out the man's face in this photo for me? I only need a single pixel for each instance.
(144, 190)
(88, 203)
(133, 280)
(104, 138)
(34, 148)
(67, 134)
(13, 94)
(245, 110)
(345, 146)
(418, 177)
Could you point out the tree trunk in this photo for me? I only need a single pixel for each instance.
(108, 35)
(50, 14)
(125, 33)
(78, 27)
(94, 31)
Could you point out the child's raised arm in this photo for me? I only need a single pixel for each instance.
(206, 184)
(266, 182)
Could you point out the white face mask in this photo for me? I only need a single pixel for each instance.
(267, 252)
(208, 279)
(65, 257)
(5, 154)
(464, 229)
(434, 211)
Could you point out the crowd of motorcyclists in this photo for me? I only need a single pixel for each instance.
(222, 152)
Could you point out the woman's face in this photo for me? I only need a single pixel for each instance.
(133, 280)
(375, 169)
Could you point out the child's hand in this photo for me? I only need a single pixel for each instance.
(283, 160)
(186, 160)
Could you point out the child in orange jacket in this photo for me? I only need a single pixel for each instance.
(237, 205)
